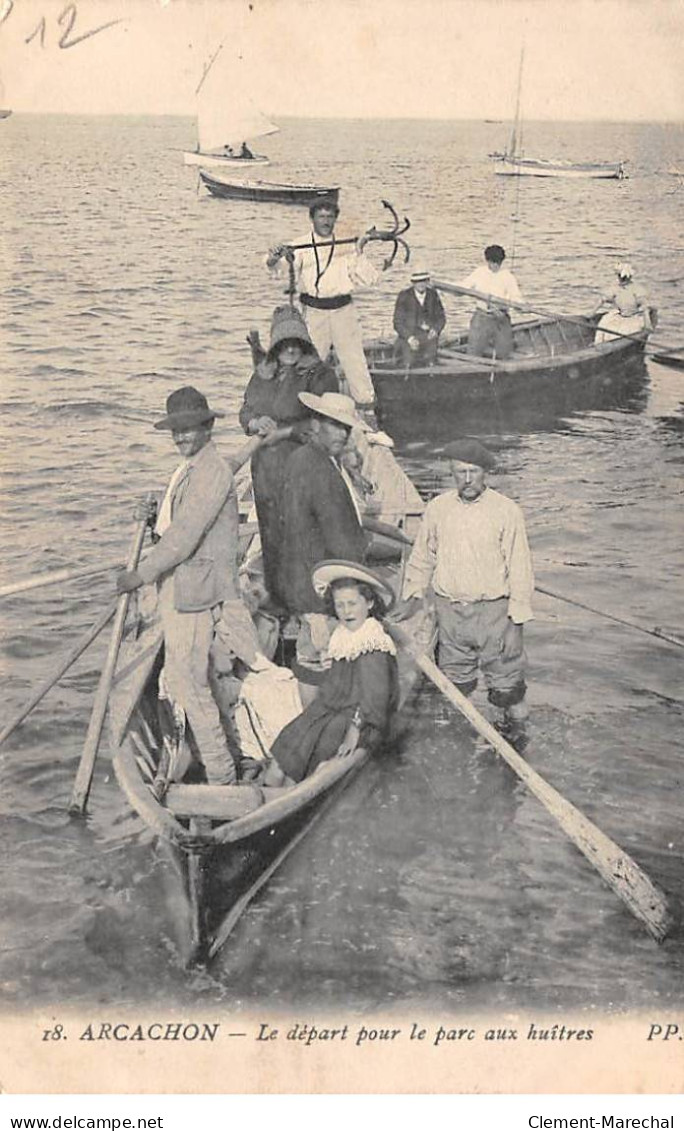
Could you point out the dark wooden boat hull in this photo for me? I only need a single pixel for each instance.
(555, 369)
(270, 192)
(223, 842)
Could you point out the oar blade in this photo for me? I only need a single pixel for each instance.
(638, 892)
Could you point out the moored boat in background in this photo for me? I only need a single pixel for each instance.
(517, 166)
(270, 191)
(514, 163)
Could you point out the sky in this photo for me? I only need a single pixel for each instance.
(584, 59)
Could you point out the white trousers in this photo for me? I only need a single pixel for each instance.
(187, 640)
(340, 329)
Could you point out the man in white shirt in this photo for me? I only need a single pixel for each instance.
(490, 333)
(326, 277)
(472, 552)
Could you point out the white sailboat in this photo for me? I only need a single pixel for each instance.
(226, 120)
(513, 163)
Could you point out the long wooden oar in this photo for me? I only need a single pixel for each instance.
(84, 776)
(456, 289)
(54, 578)
(64, 665)
(643, 898)
(659, 633)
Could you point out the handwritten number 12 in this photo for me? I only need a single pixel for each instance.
(66, 19)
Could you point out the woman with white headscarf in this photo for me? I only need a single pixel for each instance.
(628, 313)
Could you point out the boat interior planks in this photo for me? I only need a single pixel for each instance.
(555, 367)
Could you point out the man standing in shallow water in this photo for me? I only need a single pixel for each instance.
(472, 550)
(194, 563)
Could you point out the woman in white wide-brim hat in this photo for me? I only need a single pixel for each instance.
(629, 313)
(358, 694)
(271, 402)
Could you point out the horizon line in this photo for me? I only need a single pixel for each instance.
(345, 118)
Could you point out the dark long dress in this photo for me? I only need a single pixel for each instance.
(278, 398)
(370, 683)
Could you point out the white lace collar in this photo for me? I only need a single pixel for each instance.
(370, 637)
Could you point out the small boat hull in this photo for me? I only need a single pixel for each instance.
(555, 369)
(222, 160)
(529, 167)
(269, 191)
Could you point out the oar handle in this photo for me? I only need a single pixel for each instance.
(374, 526)
(457, 289)
(84, 776)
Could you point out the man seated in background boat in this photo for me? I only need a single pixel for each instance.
(194, 564)
(419, 319)
(359, 692)
(472, 552)
(271, 404)
(490, 333)
(326, 277)
(245, 152)
(321, 516)
(629, 314)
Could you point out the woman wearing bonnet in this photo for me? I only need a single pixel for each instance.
(629, 313)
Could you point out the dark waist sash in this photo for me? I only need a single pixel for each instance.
(334, 302)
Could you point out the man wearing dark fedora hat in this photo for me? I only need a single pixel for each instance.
(194, 564)
(327, 277)
(472, 552)
(419, 319)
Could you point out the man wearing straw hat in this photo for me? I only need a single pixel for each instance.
(472, 552)
(320, 514)
(327, 276)
(194, 564)
(419, 319)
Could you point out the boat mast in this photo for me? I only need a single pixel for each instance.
(208, 67)
(517, 134)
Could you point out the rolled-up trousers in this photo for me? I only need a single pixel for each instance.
(187, 641)
(470, 638)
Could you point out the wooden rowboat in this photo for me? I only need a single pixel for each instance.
(269, 191)
(555, 365)
(224, 842)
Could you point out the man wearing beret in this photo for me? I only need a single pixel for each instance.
(472, 551)
(419, 319)
(194, 564)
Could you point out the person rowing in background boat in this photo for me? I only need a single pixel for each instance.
(629, 313)
(472, 552)
(194, 564)
(490, 333)
(271, 402)
(327, 277)
(359, 692)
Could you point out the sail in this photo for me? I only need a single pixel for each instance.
(225, 114)
(222, 124)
